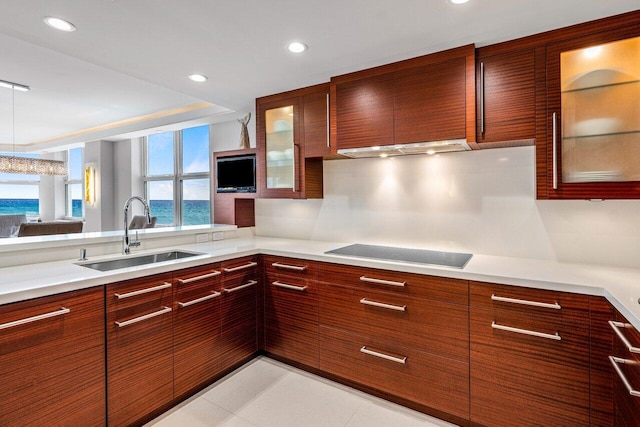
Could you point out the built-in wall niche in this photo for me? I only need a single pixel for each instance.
(600, 96)
(237, 206)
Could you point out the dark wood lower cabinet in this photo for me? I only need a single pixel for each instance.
(436, 382)
(139, 348)
(52, 361)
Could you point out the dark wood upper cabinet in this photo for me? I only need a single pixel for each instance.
(364, 112)
(593, 115)
(429, 102)
(506, 97)
(284, 169)
(429, 98)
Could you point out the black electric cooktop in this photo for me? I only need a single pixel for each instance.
(418, 256)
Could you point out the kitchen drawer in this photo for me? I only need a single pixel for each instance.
(531, 301)
(132, 297)
(240, 270)
(415, 285)
(53, 364)
(520, 379)
(437, 382)
(238, 303)
(302, 268)
(291, 320)
(433, 326)
(196, 323)
(626, 351)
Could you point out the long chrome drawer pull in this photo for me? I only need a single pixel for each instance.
(199, 300)
(555, 305)
(288, 286)
(204, 276)
(141, 318)
(616, 328)
(237, 288)
(365, 350)
(556, 337)
(383, 305)
(242, 267)
(382, 282)
(143, 291)
(35, 318)
(615, 361)
(289, 267)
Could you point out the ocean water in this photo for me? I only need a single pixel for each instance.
(194, 211)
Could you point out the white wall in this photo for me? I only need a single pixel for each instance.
(225, 136)
(100, 216)
(479, 201)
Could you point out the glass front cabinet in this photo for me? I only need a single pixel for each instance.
(593, 116)
(291, 138)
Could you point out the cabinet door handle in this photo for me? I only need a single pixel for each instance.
(482, 98)
(383, 305)
(237, 288)
(554, 148)
(555, 336)
(616, 328)
(194, 279)
(401, 360)
(142, 291)
(287, 286)
(382, 282)
(296, 156)
(242, 267)
(328, 127)
(617, 360)
(60, 312)
(199, 300)
(141, 318)
(289, 267)
(555, 305)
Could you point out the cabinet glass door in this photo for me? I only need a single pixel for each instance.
(280, 169)
(600, 96)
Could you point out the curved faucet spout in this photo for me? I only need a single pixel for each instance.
(126, 243)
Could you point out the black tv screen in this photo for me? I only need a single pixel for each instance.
(236, 174)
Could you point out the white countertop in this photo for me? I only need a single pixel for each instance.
(620, 286)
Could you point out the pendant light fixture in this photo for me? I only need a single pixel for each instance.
(27, 165)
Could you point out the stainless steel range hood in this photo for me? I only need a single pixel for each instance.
(406, 149)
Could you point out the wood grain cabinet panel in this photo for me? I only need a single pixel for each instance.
(627, 406)
(506, 99)
(238, 311)
(601, 373)
(430, 102)
(139, 330)
(196, 326)
(436, 382)
(291, 309)
(432, 326)
(400, 283)
(53, 367)
(529, 364)
(315, 127)
(364, 112)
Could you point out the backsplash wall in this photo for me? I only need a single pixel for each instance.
(479, 202)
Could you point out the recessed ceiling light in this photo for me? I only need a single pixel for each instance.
(458, 1)
(59, 24)
(297, 47)
(198, 78)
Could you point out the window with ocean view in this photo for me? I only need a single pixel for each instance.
(73, 184)
(177, 176)
(20, 193)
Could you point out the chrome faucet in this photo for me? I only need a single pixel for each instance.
(126, 244)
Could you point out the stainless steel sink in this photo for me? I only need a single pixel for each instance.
(134, 261)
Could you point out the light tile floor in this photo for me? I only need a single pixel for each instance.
(266, 393)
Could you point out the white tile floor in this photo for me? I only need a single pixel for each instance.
(265, 393)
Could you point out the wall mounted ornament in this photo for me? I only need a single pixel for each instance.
(244, 133)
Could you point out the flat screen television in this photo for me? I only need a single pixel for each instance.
(236, 174)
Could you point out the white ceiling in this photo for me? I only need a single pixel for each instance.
(125, 68)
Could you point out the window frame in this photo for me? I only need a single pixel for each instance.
(68, 182)
(178, 176)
